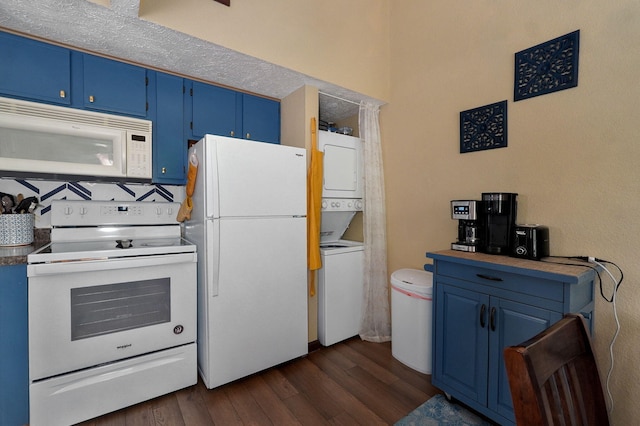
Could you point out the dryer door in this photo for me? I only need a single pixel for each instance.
(342, 167)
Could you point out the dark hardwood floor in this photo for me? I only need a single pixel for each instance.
(352, 382)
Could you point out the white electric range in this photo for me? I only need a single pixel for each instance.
(112, 310)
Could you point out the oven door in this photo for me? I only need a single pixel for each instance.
(86, 313)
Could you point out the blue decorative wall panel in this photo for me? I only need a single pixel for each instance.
(483, 128)
(547, 67)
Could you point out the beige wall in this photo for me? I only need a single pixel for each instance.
(332, 40)
(572, 155)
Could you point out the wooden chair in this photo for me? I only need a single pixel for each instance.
(554, 378)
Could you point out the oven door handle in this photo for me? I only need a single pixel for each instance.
(57, 268)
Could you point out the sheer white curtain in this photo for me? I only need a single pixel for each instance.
(375, 325)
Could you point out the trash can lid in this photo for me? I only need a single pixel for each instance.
(413, 280)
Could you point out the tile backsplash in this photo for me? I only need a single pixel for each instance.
(46, 191)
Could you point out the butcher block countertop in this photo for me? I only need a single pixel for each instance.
(17, 255)
(547, 265)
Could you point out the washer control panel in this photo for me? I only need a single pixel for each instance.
(342, 204)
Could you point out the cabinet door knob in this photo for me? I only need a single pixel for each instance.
(232, 133)
(164, 170)
(91, 98)
(248, 135)
(483, 311)
(63, 94)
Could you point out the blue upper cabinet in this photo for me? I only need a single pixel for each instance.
(260, 119)
(225, 112)
(34, 70)
(169, 142)
(114, 86)
(215, 110)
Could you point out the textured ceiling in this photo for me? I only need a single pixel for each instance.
(118, 32)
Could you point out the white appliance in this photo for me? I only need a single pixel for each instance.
(340, 280)
(38, 138)
(344, 160)
(112, 310)
(249, 224)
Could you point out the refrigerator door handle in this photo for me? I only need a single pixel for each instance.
(213, 270)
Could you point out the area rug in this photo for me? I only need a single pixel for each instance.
(438, 411)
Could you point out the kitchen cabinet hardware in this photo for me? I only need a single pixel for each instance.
(63, 94)
(483, 311)
(487, 277)
(91, 99)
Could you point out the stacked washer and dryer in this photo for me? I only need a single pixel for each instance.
(340, 280)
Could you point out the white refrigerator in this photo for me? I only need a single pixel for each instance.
(249, 225)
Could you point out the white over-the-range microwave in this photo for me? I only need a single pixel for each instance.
(44, 139)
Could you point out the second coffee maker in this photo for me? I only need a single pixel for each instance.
(499, 215)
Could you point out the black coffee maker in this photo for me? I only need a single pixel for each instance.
(469, 214)
(499, 212)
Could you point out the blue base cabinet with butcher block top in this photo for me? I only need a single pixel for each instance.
(483, 303)
(14, 346)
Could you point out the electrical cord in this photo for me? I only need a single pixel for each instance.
(588, 260)
(616, 286)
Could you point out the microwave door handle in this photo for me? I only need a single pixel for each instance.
(126, 148)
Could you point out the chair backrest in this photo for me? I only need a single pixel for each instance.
(554, 379)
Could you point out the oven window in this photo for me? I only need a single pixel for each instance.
(111, 308)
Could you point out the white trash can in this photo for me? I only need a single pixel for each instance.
(411, 308)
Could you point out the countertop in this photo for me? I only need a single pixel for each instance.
(17, 255)
(548, 265)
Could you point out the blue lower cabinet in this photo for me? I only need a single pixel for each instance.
(14, 346)
(484, 303)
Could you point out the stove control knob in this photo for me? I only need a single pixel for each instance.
(158, 211)
(358, 205)
(68, 210)
(82, 211)
(324, 204)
